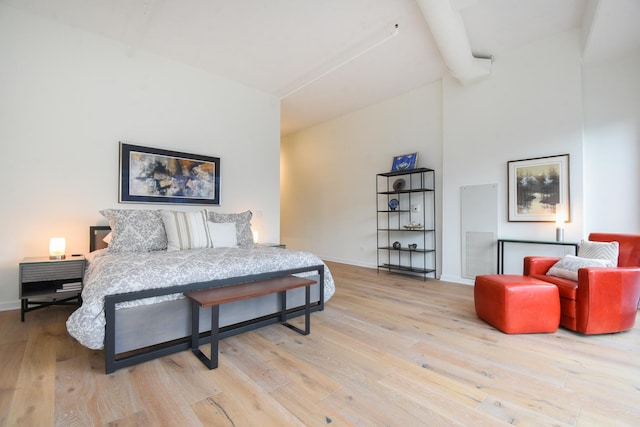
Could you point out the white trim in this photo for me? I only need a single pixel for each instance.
(10, 305)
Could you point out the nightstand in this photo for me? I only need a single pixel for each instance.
(273, 245)
(45, 282)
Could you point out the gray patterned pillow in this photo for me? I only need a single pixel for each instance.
(568, 266)
(599, 250)
(243, 225)
(136, 230)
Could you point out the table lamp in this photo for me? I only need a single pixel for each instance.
(559, 223)
(56, 248)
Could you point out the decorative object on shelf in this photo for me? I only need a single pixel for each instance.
(399, 184)
(393, 204)
(404, 162)
(536, 186)
(152, 175)
(396, 245)
(413, 226)
(413, 246)
(57, 248)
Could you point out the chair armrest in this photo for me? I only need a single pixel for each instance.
(538, 265)
(607, 298)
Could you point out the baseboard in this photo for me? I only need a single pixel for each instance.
(444, 277)
(9, 305)
(349, 262)
(456, 279)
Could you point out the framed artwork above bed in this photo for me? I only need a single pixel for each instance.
(154, 175)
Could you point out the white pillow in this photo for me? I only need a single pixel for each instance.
(186, 230)
(567, 267)
(107, 238)
(223, 234)
(244, 235)
(599, 250)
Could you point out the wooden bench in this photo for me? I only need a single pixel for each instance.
(213, 297)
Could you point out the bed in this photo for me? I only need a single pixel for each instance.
(133, 305)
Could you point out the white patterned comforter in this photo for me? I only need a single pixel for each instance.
(114, 273)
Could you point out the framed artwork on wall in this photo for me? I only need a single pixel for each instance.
(404, 162)
(153, 175)
(538, 189)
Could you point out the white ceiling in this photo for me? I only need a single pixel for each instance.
(330, 57)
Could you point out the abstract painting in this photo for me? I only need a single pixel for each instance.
(153, 175)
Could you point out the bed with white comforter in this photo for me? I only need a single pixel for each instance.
(117, 273)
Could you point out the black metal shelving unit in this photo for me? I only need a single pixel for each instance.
(406, 198)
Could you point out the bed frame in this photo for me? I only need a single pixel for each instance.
(139, 334)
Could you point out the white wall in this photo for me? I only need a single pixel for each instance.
(328, 173)
(612, 144)
(67, 97)
(532, 106)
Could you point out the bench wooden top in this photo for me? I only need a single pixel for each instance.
(231, 293)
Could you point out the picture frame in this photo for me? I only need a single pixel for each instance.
(154, 175)
(537, 187)
(404, 162)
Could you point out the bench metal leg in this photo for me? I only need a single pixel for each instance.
(195, 324)
(215, 331)
(307, 312)
(212, 362)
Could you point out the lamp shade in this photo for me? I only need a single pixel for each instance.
(255, 236)
(560, 216)
(559, 223)
(56, 248)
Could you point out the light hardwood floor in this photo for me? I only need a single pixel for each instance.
(387, 350)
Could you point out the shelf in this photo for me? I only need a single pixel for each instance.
(416, 204)
(422, 230)
(407, 268)
(407, 172)
(412, 190)
(53, 295)
(422, 251)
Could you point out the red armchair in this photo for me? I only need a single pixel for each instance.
(603, 300)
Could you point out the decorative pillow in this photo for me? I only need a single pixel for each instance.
(244, 234)
(107, 238)
(567, 267)
(223, 234)
(599, 250)
(186, 230)
(135, 230)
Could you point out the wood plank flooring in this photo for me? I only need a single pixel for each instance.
(389, 350)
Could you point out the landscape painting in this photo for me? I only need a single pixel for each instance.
(537, 187)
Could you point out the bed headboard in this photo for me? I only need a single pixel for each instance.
(96, 234)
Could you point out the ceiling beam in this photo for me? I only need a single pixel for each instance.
(449, 32)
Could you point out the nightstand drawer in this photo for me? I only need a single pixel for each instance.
(51, 271)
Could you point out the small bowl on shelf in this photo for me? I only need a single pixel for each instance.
(399, 184)
(413, 226)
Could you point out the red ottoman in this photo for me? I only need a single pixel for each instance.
(517, 304)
